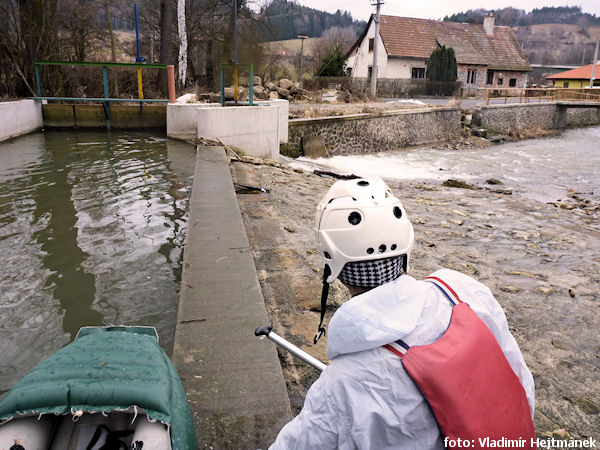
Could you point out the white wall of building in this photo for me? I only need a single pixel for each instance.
(20, 117)
(402, 67)
(360, 62)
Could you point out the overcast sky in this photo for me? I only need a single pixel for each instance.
(437, 9)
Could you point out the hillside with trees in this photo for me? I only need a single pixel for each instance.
(284, 19)
(514, 17)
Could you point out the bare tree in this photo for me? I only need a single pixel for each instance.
(81, 30)
(28, 32)
(166, 42)
(333, 39)
(183, 45)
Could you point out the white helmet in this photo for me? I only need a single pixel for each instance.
(361, 220)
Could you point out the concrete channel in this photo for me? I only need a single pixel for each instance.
(233, 380)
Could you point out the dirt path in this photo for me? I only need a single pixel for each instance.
(541, 262)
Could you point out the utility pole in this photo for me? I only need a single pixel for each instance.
(594, 65)
(374, 67)
(302, 37)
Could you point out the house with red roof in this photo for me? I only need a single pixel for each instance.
(576, 78)
(487, 55)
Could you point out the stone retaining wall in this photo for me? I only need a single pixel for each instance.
(581, 117)
(520, 117)
(507, 118)
(371, 133)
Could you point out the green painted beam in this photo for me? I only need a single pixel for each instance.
(231, 66)
(100, 99)
(100, 64)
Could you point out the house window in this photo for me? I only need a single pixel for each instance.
(512, 82)
(490, 77)
(371, 44)
(566, 84)
(471, 76)
(370, 72)
(418, 72)
(500, 81)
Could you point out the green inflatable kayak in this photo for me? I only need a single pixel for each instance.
(112, 387)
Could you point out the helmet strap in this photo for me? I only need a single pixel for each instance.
(324, 294)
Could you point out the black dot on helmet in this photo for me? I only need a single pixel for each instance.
(393, 247)
(370, 250)
(354, 218)
(327, 255)
(363, 183)
(382, 248)
(397, 212)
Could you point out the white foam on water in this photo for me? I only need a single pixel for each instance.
(542, 169)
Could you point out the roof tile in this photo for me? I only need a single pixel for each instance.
(417, 38)
(581, 73)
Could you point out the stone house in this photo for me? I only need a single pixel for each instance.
(488, 56)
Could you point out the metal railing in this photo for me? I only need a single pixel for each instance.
(539, 94)
(107, 99)
(236, 67)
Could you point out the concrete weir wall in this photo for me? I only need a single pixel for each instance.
(368, 133)
(233, 380)
(93, 116)
(257, 130)
(19, 117)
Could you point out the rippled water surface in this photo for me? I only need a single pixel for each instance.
(542, 169)
(92, 227)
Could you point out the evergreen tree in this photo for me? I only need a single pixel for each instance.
(442, 65)
(334, 63)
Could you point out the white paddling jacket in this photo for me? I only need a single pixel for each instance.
(364, 399)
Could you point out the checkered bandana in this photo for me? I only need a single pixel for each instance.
(372, 273)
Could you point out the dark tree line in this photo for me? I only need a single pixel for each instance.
(513, 17)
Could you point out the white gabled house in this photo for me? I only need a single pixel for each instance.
(487, 55)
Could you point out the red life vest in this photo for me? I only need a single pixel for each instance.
(471, 388)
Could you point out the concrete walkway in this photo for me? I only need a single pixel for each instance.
(233, 379)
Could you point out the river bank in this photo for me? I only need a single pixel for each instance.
(539, 259)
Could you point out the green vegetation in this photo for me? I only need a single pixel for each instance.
(442, 65)
(334, 63)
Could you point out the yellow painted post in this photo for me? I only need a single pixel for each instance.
(235, 84)
(140, 87)
(488, 97)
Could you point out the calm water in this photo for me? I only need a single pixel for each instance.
(92, 227)
(542, 169)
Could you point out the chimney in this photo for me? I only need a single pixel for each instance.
(488, 24)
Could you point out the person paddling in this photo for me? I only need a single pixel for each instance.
(414, 364)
